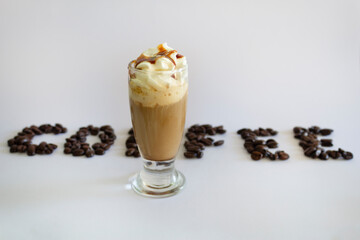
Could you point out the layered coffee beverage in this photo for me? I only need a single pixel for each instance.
(158, 86)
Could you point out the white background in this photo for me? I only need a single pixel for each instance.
(251, 63)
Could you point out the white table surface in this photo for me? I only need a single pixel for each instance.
(252, 63)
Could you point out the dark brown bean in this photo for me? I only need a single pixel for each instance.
(325, 131)
(199, 154)
(314, 129)
(67, 150)
(130, 152)
(192, 148)
(324, 156)
(131, 145)
(271, 143)
(283, 155)
(211, 131)
(326, 142)
(89, 153)
(206, 141)
(190, 154)
(11, 142)
(78, 152)
(347, 155)
(131, 131)
(31, 150)
(190, 135)
(309, 151)
(96, 145)
(131, 139)
(219, 143)
(99, 151)
(256, 155)
(136, 154)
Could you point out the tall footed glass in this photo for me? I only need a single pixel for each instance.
(158, 109)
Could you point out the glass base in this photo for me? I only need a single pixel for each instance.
(158, 179)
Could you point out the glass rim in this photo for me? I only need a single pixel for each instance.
(130, 67)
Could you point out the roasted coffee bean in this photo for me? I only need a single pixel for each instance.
(85, 147)
(341, 151)
(27, 131)
(211, 131)
(99, 151)
(94, 131)
(68, 144)
(271, 131)
(131, 131)
(102, 128)
(36, 130)
(220, 131)
(256, 155)
(304, 145)
(192, 148)
(324, 156)
(39, 151)
(22, 139)
(261, 149)
(42, 146)
(250, 149)
(31, 150)
(199, 154)
(206, 141)
(200, 130)
(96, 145)
(326, 142)
(106, 146)
(298, 130)
(89, 153)
(347, 155)
(11, 142)
(78, 152)
(131, 145)
(314, 129)
(263, 132)
(190, 154)
(309, 151)
(316, 153)
(206, 126)
(190, 135)
(271, 143)
(325, 131)
(283, 155)
(48, 151)
(248, 144)
(52, 146)
(258, 142)
(240, 131)
(130, 152)
(136, 153)
(272, 156)
(21, 148)
(199, 144)
(333, 154)
(67, 150)
(76, 145)
(131, 139)
(219, 143)
(56, 130)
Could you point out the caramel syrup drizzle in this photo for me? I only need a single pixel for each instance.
(162, 53)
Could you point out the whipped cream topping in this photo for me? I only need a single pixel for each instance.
(158, 76)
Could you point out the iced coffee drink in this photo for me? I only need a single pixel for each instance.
(158, 87)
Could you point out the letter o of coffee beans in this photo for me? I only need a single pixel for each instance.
(77, 146)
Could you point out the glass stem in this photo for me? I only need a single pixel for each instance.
(158, 174)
